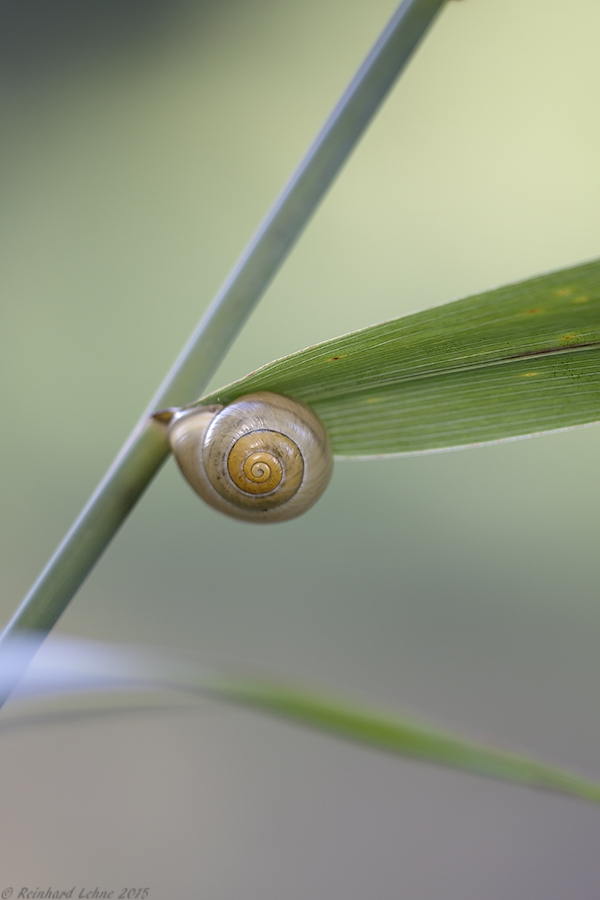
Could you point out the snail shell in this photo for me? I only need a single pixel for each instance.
(263, 458)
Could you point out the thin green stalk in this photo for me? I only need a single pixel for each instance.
(99, 673)
(147, 449)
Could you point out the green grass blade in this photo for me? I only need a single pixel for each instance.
(513, 361)
(146, 678)
(403, 737)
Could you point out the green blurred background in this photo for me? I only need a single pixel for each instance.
(142, 143)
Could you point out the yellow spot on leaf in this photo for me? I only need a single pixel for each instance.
(536, 311)
(529, 374)
(580, 299)
(564, 292)
(374, 400)
(569, 338)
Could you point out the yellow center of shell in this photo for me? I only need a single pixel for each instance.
(259, 473)
(265, 461)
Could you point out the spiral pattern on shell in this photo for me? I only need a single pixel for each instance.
(263, 458)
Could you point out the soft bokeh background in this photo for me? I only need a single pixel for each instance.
(142, 142)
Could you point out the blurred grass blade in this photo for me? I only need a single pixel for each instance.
(404, 737)
(66, 667)
(513, 361)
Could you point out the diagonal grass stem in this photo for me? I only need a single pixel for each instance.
(146, 449)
